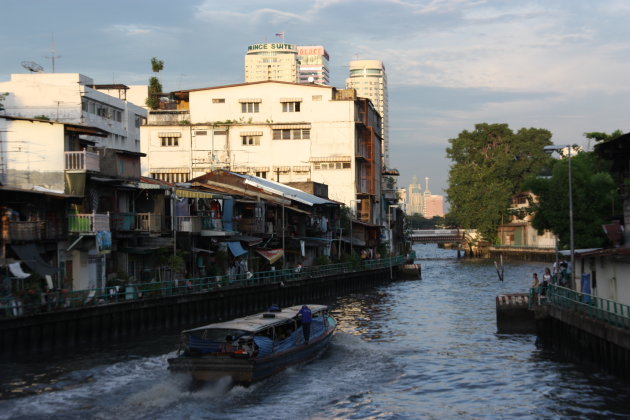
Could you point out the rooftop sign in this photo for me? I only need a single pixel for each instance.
(271, 47)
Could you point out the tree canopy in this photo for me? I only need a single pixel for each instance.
(490, 165)
(155, 87)
(594, 200)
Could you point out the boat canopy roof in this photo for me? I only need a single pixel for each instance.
(260, 321)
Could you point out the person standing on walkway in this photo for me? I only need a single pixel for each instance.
(535, 285)
(306, 317)
(546, 281)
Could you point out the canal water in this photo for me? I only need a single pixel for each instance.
(424, 349)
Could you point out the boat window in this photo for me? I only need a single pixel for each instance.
(283, 331)
(219, 334)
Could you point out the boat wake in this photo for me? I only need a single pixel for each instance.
(144, 388)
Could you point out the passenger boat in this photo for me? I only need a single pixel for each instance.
(254, 347)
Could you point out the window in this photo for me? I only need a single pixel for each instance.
(218, 100)
(171, 177)
(169, 141)
(292, 134)
(249, 107)
(251, 140)
(290, 107)
(261, 174)
(331, 165)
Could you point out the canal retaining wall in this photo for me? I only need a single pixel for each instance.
(64, 330)
(583, 339)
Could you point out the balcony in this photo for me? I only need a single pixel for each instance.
(89, 223)
(24, 231)
(83, 161)
(136, 222)
(35, 230)
(190, 224)
(148, 222)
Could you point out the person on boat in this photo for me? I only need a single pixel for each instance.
(306, 317)
(228, 346)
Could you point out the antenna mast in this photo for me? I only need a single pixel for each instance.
(53, 51)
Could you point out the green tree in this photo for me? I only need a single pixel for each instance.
(594, 193)
(417, 221)
(489, 166)
(155, 87)
(603, 137)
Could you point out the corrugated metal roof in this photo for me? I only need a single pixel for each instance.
(285, 191)
(257, 322)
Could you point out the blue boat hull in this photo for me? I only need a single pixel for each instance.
(249, 370)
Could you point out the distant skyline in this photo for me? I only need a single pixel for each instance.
(562, 65)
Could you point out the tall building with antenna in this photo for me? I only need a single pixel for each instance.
(414, 197)
(369, 79)
(433, 205)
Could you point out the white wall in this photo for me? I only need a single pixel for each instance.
(33, 154)
(332, 133)
(59, 96)
(613, 277)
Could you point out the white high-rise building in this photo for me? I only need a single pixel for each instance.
(277, 62)
(313, 64)
(368, 78)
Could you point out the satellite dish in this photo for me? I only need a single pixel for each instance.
(311, 79)
(32, 66)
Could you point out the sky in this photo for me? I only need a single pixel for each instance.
(562, 65)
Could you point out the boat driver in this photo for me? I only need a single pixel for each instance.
(228, 346)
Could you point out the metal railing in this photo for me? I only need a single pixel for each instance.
(32, 302)
(605, 310)
(82, 161)
(88, 222)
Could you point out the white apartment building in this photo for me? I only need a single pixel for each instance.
(313, 64)
(74, 98)
(283, 131)
(369, 79)
(276, 61)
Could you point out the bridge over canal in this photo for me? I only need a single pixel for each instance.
(437, 236)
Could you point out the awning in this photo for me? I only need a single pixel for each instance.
(16, 270)
(249, 240)
(200, 250)
(169, 170)
(290, 126)
(272, 255)
(169, 134)
(30, 255)
(331, 159)
(196, 194)
(236, 249)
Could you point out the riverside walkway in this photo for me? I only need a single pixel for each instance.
(584, 328)
(32, 302)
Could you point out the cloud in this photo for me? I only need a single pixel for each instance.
(134, 29)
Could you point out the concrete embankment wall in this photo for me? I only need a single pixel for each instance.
(583, 339)
(60, 331)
